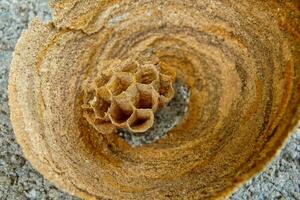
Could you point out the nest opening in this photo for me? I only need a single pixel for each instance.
(145, 100)
(120, 84)
(141, 122)
(119, 115)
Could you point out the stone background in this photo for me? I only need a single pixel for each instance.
(18, 180)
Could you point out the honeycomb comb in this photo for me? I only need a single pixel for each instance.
(127, 94)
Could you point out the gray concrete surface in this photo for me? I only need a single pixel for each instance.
(18, 180)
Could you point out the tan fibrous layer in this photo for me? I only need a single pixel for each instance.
(126, 94)
(240, 61)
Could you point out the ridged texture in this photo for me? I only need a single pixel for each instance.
(240, 61)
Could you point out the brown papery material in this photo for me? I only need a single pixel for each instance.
(126, 94)
(104, 64)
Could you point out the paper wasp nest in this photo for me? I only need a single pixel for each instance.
(127, 94)
(102, 67)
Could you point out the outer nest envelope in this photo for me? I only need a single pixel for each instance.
(240, 61)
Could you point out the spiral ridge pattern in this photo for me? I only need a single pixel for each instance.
(240, 61)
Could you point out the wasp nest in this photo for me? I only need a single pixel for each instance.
(103, 66)
(127, 94)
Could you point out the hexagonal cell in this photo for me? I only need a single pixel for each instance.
(125, 100)
(104, 93)
(147, 97)
(120, 82)
(166, 89)
(119, 115)
(141, 121)
(88, 94)
(147, 74)
(100, 107)
(130, 66)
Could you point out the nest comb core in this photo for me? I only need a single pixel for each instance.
(127, 94)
